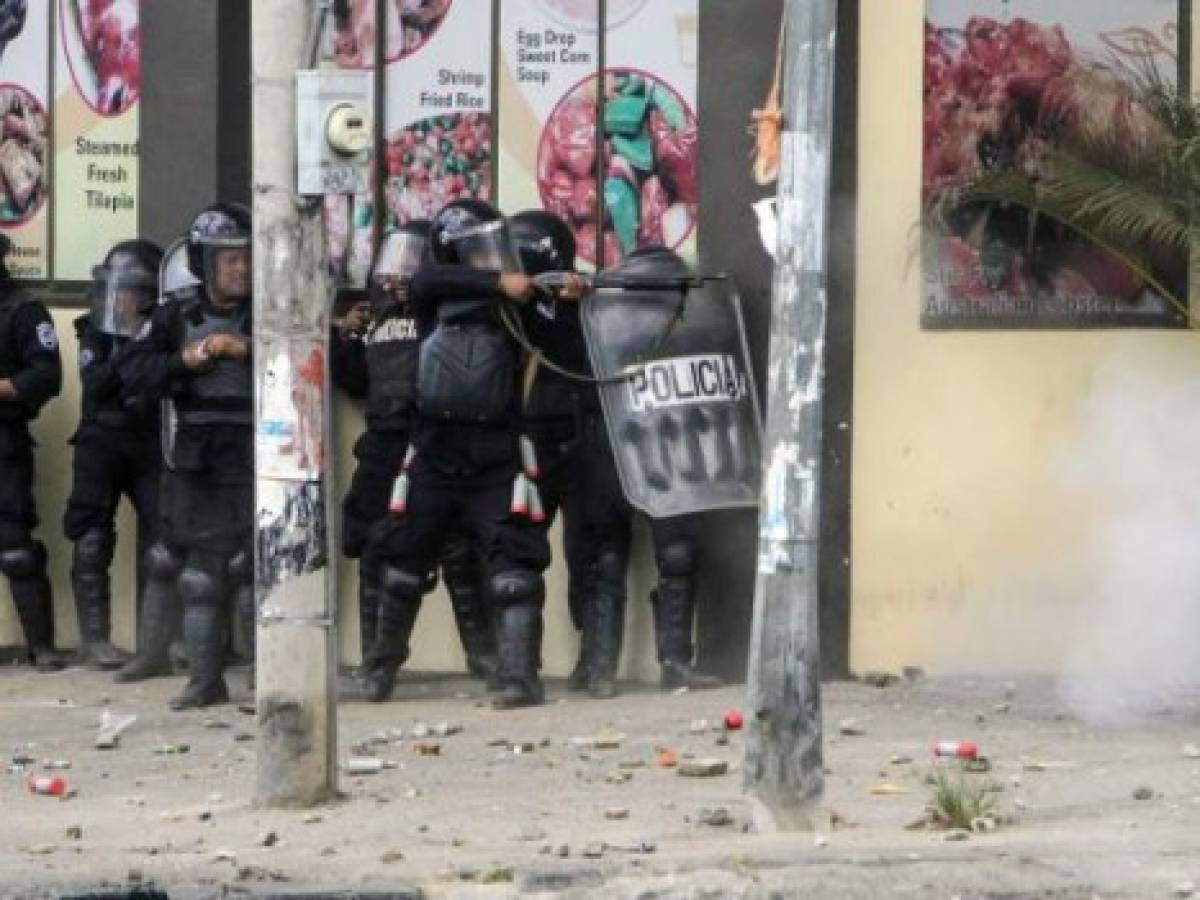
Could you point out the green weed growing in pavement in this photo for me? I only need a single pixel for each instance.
(956, 803)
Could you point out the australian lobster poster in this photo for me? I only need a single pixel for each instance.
(1046, 200)
(98, 80)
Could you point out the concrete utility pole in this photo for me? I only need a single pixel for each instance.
(297, 713)
(783, 764)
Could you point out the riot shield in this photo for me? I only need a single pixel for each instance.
(175, 283)
(678, 395)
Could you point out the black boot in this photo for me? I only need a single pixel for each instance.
(246, 610)
(93, 604)
(674, 614)
(202, 589)
(577, 681)
(606, 623)
(156, 630)
(464, 582)
(520, 650)
(92, 556)
(204, 638)
(399, 602)
(25, 567)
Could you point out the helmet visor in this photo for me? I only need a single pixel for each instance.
(489, 247)
(399, 258)
(121, 302)
(175, 278)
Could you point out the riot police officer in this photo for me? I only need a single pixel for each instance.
(160, 614)
(30, 375)
(675, 538)
(375, 356)
(464, 473)
(198, 354)
(116, 445)
(562, 418)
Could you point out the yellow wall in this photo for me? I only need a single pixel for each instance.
(435, 643)
(957, 504)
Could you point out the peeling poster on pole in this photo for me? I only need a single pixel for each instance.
(290, 443)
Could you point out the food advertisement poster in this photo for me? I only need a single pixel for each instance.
(350, 220)
(97, 87)
(1033, 110)
(25, 136)
(548, 141)
(615, 156)
(438, 105)
(651, 189)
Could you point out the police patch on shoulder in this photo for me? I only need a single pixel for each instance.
(86, 357)
(46, 336)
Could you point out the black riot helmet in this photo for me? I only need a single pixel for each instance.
(125, 287)
(652, 261)
(217, 227)
(402, 251)
(544, 242)
(473, 233)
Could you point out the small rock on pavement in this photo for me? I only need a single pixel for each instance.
(1145, 792)
(616, 813)
(958, 834)
(75, 832)
(1184, 889)
(820, 841)
(851, 728)
(593, 851)
(716, 816)
(391, 856)
(880, 680)
(268, 839)
(703, 768)
(313, 819)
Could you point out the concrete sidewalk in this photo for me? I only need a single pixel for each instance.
(521, 802)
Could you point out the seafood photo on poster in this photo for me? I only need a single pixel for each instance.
(1024, 101)
(438, 117)
(103, 45)
(25, 135)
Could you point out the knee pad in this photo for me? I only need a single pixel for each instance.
(162, 562)
(401, 585)
(612, 566)
(517, 587)
(241, 567)
(24, 561)
(94, 550)
(676, 560)
(198, 588)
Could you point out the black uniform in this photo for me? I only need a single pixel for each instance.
(564, 420)
(462, 478)
(116, 454)
(380, 366)
(212, 485)
(29, 359)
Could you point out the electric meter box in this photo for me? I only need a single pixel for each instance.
(335, 131)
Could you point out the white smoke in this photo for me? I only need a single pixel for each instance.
(1134, 646)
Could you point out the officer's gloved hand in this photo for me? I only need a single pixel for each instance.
(227, 346)
(517, 286)
(197, 357)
